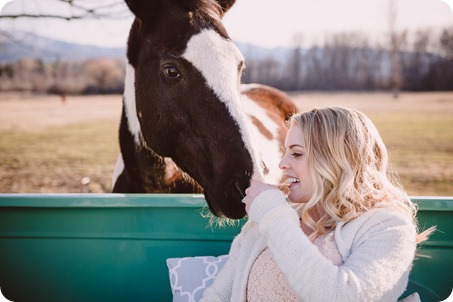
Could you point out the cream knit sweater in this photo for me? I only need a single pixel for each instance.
(377, 250)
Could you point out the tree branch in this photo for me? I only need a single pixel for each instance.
(15, 16)
(115, 9)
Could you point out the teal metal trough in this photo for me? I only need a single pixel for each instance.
(113, 247)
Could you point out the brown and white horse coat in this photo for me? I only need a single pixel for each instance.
(187, 124)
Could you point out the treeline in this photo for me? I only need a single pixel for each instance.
(420, 61)
(97, 76)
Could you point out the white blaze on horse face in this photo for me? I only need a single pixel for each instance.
(129, 103)
(218, 60)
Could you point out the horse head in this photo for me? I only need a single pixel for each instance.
(183, 99)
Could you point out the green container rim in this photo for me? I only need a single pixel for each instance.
(91, 200)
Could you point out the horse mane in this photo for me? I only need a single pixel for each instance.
(268, 97)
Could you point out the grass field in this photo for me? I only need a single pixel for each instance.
(48, 146)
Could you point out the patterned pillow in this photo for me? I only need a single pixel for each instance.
(190, 276)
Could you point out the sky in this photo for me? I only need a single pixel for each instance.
(266, 23)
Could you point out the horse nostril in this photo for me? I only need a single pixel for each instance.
(265, 168)
(237, 186)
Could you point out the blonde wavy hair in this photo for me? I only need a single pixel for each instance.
(349, 165)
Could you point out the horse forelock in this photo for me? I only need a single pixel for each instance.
(171, 24)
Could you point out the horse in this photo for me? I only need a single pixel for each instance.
(187, 123)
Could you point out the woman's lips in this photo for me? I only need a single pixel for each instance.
(291, 181)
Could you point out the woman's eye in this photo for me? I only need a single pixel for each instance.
(172, 72)
(295, 154)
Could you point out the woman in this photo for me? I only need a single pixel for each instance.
(349, 233)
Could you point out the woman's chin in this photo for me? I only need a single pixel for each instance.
(292, 196)
(295, 195)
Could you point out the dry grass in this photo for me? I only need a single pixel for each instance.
(50, 146)
(36, 113)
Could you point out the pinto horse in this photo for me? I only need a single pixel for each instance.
(187, 125)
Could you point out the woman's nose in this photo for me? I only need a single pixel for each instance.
(283, 164)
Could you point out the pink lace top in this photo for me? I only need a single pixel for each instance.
(267, 283)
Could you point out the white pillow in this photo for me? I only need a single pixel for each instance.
(190, 276)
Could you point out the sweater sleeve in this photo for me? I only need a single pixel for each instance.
(221, 289)
(382, 247)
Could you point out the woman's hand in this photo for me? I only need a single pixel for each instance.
(255, 189)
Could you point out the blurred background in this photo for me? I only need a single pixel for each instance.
(62, 71)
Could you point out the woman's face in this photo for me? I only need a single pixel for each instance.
(294, 164)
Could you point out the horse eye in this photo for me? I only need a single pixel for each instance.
(171, 71)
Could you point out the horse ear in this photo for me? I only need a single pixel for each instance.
(225, 4)
(144, 9)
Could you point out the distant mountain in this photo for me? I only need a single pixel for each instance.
(27, 45)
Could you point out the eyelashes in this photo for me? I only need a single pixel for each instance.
(296, 155)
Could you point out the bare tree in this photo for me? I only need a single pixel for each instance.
(104, 75)
(295, 63)
(73, 10)
(395, 45)
(418, 63)
(446, 42)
